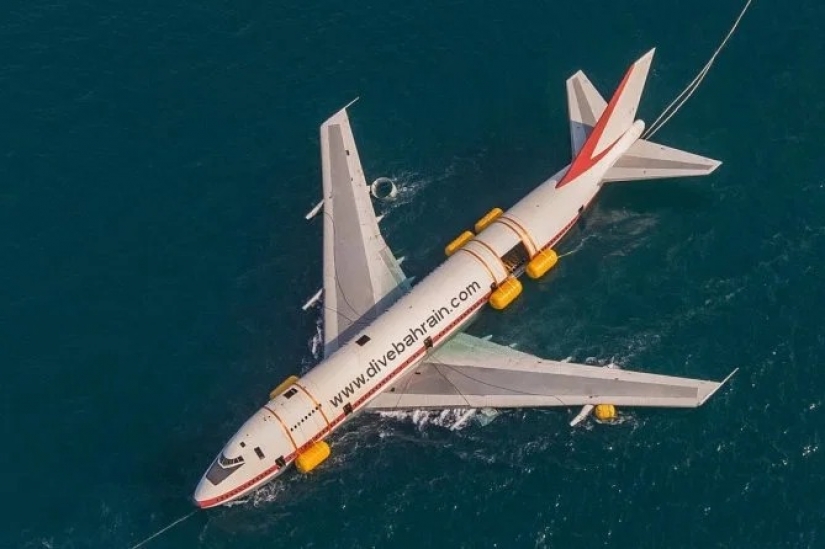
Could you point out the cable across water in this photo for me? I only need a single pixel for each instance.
(682, 98)
(162, 530)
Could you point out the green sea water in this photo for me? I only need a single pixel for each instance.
(156, 162)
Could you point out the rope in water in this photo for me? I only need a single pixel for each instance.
(162, 530)
(682, 98)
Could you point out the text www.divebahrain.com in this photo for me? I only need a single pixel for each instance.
(408, 340)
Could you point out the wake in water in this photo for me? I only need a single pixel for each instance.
(265, 494)
(578, 247)
(317, 342)
(452, 419)
(408, 184)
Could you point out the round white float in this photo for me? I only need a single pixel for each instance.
(384, 188)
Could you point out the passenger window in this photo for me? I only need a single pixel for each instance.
(259, 453)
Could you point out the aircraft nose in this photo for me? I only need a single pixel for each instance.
(205, 494)
(200, 496)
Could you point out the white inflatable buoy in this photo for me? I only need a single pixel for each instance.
(384, 188)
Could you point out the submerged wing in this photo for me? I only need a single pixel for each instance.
(474, 373)
(648, 160)
(584, 107)
(361, 275)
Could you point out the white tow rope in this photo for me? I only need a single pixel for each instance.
(682, 98)
(162, 530)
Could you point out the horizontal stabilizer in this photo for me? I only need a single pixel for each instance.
(648, 160)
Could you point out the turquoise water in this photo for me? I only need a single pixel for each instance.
(157, 160)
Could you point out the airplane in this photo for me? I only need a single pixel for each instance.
(389, 345)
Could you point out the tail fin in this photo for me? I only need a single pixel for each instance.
(614, 119)
(648, 160)
(596, 125)
(620, 113)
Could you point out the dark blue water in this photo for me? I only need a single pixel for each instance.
(157, 160)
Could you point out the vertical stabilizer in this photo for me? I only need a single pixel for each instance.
(618, 116)
(621, 111)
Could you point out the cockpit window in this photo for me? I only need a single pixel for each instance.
(229, 462)
(222, 468)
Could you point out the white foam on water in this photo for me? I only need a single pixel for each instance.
(452, 419)
(317, 341)
(579, 246)
(408, 184)
(315, 345)
(266, 494)
(269, 492)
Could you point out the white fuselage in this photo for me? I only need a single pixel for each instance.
(439, 306)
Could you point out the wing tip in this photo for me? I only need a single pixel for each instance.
(578, 75)
(340, 113)
(718, 386)
(351, 103)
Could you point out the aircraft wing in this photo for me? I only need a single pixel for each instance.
(361, 275)
(468, 372)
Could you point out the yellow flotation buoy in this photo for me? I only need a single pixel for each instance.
(485, 221)
(458, 242)
(605, 412)
(312, 457)
(541, 263)
(285, 384)
(509, 290)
